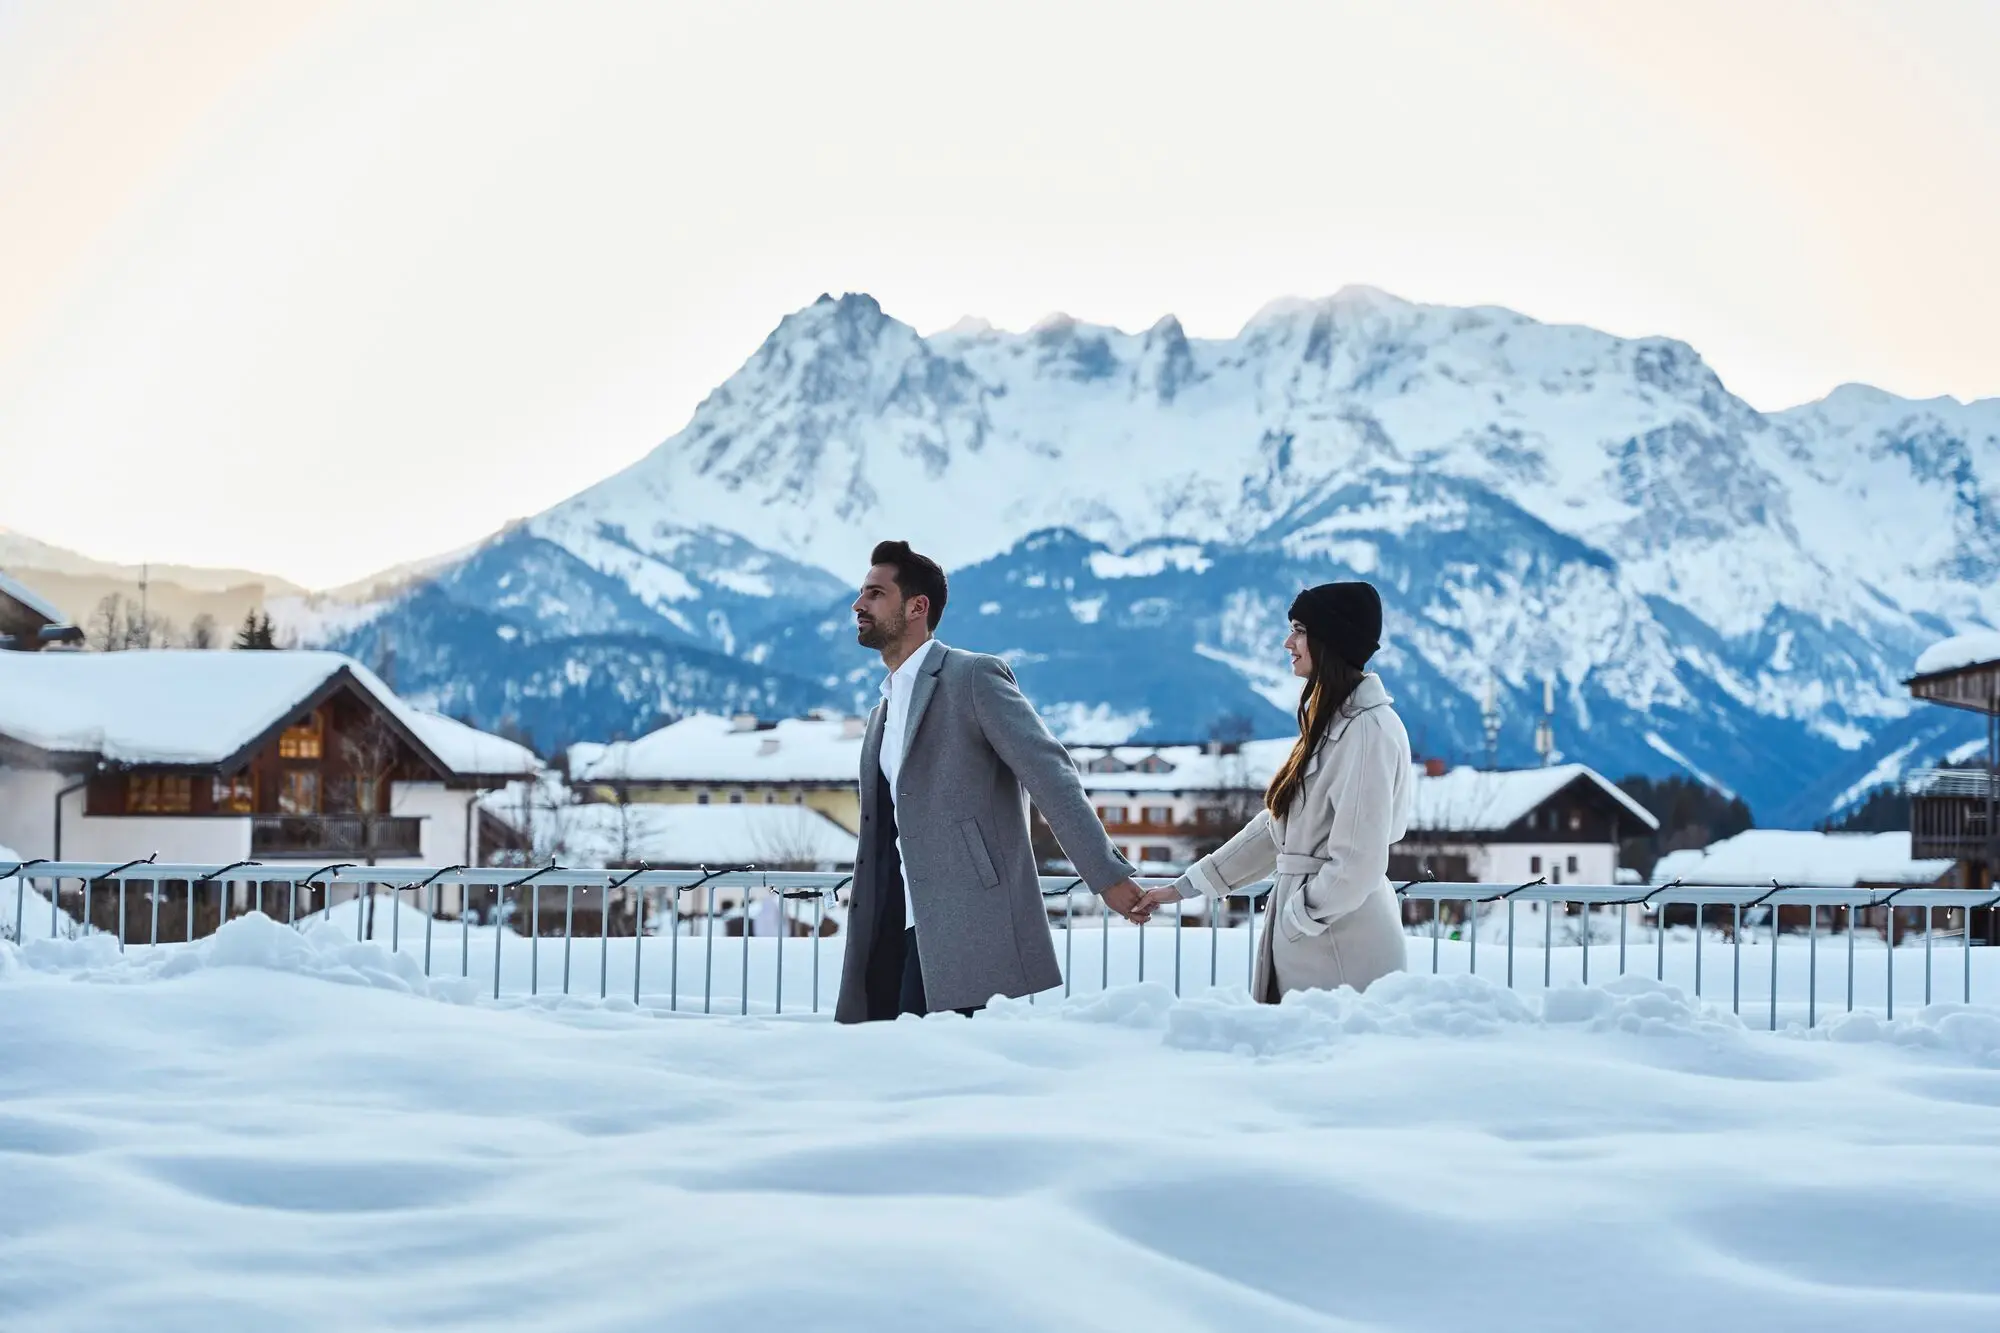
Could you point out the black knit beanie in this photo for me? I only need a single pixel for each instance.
(1346, 617)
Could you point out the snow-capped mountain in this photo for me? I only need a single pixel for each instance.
(1708, 587)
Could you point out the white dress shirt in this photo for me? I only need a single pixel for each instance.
(897, 687)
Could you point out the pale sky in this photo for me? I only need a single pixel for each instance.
(317, 287)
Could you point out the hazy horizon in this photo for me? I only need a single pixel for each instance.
(394, 274)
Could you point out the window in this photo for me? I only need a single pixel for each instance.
(1111, 814)
(234, 796)
(736, 798)
(298, 792)
(1534, 865)
(770, 798)
(1575, 823)
(1572, 865)
(1212, 814)
(1157, 814)
(159, 795)
(701, 798)
(302, 740)
(798, 798)
(1156, 853)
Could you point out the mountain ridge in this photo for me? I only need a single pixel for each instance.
(1708, 587)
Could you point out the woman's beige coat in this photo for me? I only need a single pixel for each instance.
(1332, 918)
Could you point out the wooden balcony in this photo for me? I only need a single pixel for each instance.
(1951, 813)
(276, 837)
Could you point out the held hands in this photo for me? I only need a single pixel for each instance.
(1127, 898)
(1135, 904)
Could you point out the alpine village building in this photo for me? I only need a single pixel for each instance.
(1955, 811)
(221, 757)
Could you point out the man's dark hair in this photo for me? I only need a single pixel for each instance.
(916, 575)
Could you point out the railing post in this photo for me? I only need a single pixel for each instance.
(1812, 966)
(569, 929)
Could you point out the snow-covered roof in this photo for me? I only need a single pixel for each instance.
(28, 597)
(1961, 650)
(771, 836)
(1464, 800)
(706, 748)
(191, 707)
(1793, 856)
(1469, 800)
(1182, 767)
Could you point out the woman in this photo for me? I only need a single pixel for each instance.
(1330, 813)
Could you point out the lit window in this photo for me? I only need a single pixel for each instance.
(303, 740)
(1575, 823)
(146, 795)
(234, 796)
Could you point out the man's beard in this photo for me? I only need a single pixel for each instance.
(873, 634)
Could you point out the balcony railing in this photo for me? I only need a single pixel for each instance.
(1965, 784)
(1951, 813)
(335, 835)
(678, 948)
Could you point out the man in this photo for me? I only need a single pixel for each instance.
(945, 911)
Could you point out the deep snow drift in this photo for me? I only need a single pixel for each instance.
(213, 1137)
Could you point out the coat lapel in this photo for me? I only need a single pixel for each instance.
(921, 691)
(871, 754)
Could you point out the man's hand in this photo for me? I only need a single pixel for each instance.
(1129, 901)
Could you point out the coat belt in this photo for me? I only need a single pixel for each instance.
(1298, 863)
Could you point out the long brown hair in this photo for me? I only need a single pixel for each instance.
(1328, 688)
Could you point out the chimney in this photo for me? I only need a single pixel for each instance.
(1435, 768)
(851, 728)
(768, 745)
(743, 722)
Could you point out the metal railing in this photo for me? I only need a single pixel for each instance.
(683, 912)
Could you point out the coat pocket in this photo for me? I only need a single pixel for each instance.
(975, 847)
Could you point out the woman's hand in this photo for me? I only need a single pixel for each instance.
(1155, 899)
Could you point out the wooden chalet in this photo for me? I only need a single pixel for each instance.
(1955, 812)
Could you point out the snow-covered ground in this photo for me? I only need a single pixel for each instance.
(218, 1136)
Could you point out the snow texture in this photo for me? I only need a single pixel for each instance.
(276, 1129)
(708, 748)
(1802, 859)
(765, 836)
(1961, 650)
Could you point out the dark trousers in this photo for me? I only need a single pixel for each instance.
(912, 999)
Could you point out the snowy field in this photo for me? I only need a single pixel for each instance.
(274, 1129)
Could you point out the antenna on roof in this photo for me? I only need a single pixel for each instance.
(1545, 727)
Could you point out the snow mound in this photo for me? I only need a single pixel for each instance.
(1405, 1004)
(1972, 1031)
(321, 950)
